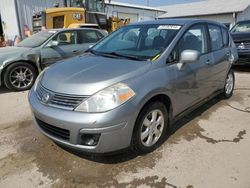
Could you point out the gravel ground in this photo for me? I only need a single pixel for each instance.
(208, 148)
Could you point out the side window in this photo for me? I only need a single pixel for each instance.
(216, 37)
(88, 36)
(99, 35)
(194, 39)
(225, 36)
(65, 38)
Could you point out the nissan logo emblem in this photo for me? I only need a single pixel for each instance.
(45, 97)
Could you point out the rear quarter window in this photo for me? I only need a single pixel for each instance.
(88, 36)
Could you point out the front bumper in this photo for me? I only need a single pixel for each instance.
(115, 127)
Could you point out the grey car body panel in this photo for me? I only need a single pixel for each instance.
(42, 56)
(184, 84)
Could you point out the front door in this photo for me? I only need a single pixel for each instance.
(61, 46)
(192, 79)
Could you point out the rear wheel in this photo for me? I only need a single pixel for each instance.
(150, 128)
(20, 76)
(229, 85)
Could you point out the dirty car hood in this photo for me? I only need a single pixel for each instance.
(88, 74)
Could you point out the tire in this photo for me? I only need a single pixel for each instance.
(229, 85)
(143, 146)
(19, 76)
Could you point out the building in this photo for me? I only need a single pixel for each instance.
(135, 12)
(16, 15)
(224, 11)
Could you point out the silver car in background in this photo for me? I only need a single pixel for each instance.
(128, 89)
(20, 65)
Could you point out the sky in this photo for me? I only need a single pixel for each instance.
(155, 3)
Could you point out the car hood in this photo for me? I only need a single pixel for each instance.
(88, 74)
(241, 36)
(12, 52)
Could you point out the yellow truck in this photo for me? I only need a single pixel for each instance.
(80, 13)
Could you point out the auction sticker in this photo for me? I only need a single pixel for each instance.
(173, 27)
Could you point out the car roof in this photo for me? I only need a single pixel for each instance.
(177, 21)
(70, 29)
(165, 21)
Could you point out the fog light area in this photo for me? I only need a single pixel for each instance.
(89, 139)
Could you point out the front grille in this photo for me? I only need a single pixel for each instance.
(58, 100)
(243, 45)
(66, 101)
(57, 132)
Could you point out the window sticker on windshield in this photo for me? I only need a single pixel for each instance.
(173, 27)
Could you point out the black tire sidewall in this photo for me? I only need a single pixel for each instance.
(137, 145)
(10, 68)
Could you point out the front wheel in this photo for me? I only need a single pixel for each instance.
(150, 128)
(229, 85)
(20, 76)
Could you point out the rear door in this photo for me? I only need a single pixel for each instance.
(221, 53)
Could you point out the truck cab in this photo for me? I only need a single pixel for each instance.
(78, 12)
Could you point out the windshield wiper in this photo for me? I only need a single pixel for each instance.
(101, 53)
(91, 51)
(115, 54)
(127, 56)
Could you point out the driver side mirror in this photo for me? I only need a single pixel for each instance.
(189, 56)
(52, 44)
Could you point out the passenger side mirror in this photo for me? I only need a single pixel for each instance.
(53, 43)
(189, 56)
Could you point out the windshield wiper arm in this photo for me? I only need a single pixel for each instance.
(91, 51)
(127, 56)
(115, 54)
(98, 53)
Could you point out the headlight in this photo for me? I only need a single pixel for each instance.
(39, 78)
(107, 99)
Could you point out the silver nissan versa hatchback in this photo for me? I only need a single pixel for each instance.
(129, 88)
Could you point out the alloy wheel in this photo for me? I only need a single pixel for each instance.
(21, 77)
(152, 128)
(229, 84)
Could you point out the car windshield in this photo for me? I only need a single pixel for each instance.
(141, 42)
(36, 39)
(241, 27)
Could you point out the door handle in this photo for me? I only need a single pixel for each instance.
(75, 51)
